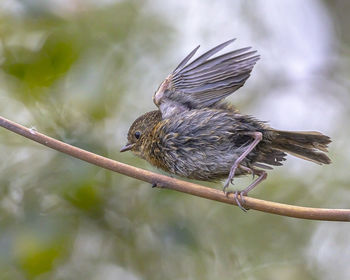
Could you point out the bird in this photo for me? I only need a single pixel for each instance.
(195, 133)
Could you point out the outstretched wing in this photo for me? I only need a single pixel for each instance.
(204, 81)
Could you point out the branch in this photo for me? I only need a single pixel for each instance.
(163, 181)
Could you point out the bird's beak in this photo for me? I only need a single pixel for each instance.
(127, 147)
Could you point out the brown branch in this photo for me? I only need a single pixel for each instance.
(175, 184)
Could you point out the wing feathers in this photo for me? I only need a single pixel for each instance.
(216, 60)
(206, 80)
(206, 55)
(216, 70)
(186, 59)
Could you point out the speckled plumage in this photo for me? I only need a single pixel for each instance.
(173, 145)
(195, 134)
(203, 144)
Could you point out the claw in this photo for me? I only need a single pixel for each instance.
(253, 173)
(242, 194)
(227, 183)
(239, 195)
(238, 202)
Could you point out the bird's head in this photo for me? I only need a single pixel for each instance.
(140, 131)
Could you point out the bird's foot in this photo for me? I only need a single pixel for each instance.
(248, 170)
(227, 183)
(230, 177)
(239, 195)
(257, 136)
(239, 198)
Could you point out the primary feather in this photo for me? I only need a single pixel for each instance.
(205, 81)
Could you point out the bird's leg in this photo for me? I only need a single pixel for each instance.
(257, 136)
(262, 176)
(248, 170)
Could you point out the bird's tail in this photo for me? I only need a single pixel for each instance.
(309, 145)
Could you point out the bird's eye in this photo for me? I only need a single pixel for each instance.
(137, 134)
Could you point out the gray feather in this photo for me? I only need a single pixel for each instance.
(186, 59)
(207, 55)
(205, 81)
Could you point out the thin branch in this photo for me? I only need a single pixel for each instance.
(163, 181)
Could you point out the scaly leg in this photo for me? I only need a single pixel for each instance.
(257, 136)
(262, 177)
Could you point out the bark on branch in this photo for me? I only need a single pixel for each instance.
(163, 181)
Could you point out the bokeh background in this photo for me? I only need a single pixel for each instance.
(82, 71)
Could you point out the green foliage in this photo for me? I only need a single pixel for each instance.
(35, 256)
(35, 69)
(85, 196)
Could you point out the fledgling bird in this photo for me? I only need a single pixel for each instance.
(197, 135)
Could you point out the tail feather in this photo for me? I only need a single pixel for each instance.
(308, 145)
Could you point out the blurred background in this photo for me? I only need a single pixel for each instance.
(82, 71)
